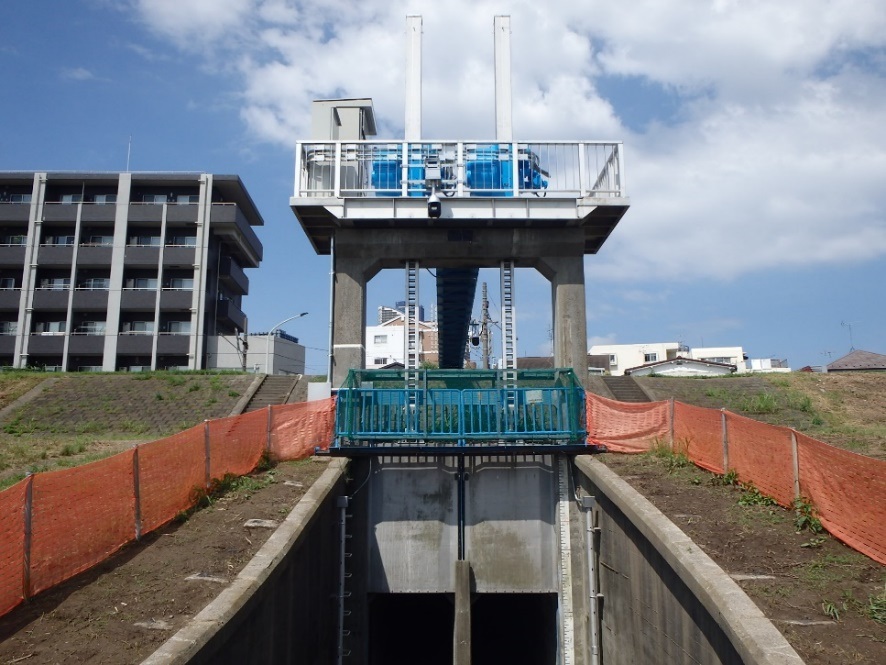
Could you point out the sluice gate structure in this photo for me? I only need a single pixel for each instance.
(463, 530)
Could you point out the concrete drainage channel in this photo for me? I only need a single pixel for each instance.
(659, 598)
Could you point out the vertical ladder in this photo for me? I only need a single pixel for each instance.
(410, 323)
(567, 610)
(508, 325)
(342, 503)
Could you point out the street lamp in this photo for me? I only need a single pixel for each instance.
(271, 334)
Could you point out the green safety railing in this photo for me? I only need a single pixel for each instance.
(376, 411)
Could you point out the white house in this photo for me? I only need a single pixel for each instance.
(628, 356)
(385, 343)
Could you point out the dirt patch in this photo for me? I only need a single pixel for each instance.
(122, 610)
(815, 590)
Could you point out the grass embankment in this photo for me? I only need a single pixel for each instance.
(845, 410)
(80, 418)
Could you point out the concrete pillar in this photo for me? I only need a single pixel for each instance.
(461, 646)
(348, 316)
(567, 275)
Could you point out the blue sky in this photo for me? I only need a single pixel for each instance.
(756, 155)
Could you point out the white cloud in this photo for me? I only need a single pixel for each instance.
(77, 74)
(776, 158)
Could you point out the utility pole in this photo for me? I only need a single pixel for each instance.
(484, 329)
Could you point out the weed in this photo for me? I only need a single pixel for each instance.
(175, 380)
(817, 421)
(876, 608)
(70, 449)
(729, 479)
(814, 543)
(265, 462)
(158, 397)
(233, 393)
(805, 516)
(751, 496)
(831, 610)
(211, 401)
(760, 403)
(194, 387)
(141, 376)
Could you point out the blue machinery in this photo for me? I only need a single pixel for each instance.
(460, 412)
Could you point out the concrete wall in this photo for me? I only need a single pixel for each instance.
(282, 607)
(664, 600)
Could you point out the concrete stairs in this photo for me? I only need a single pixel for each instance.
(273, 390)
(625, 389)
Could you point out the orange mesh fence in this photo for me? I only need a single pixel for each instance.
(847, 491)
(296, 429)
(624, 427)
(762, 454)
(237, 443)
(79, 517)
(698, 432)
(12, 545)
(169, 470)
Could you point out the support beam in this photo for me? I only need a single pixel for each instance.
(567, 275)
(461, 647)
(348, 316)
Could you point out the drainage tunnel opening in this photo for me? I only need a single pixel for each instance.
(410, 628)
(514, 628)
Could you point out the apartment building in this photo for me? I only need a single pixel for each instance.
(122, 271)
(385, 343)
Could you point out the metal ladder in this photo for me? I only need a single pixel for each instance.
(410, 323)
(508, 325)
(343, 503)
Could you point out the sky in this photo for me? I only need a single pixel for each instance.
(753, 131)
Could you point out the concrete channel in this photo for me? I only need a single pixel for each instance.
(544, 560)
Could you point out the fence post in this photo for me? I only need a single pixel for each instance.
(270, 420)
(671, 421)
(208, 448)
(26, 558)
(136, 486)
(796, 464)
(725, 442)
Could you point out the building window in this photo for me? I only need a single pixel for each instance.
(380, 361)
(103, 199)
(144, 241)
(650, 357)
(63, 241)
(56, 283)
(19, 198)
(72, 198)
(95, 284)
(381, 339)
(15, 240)
(613, 360)
(99, 241)
(7, 283)
(154, 198)
(142, 283)
(182, 241)
(178, 327)
(187, 198)
(49, 327)
(181, 284)
(90, 328)
(138, 327)
(8, 327)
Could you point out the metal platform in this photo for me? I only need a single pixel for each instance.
(476, 412)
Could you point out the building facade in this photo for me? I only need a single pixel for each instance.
(629, 356)
(122, 271)
(386, 344)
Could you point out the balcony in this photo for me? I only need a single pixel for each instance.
(60, 212)
(145, 212)
(46, 344)
(90, 299)
(10, 298)
(232, 275)
(136, 345)
(55, 255)
(180, 299)
(86, 344)
(15, 212)
(7, 345)
(98, 212)
(227, 312)
(94, 255)
(12, 255)
(168, 344)
(140, 299)
(52, 298)
(182, 213)
(178, 255)
(230, 223)
(136, 255)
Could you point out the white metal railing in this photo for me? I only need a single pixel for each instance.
(459, 168)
